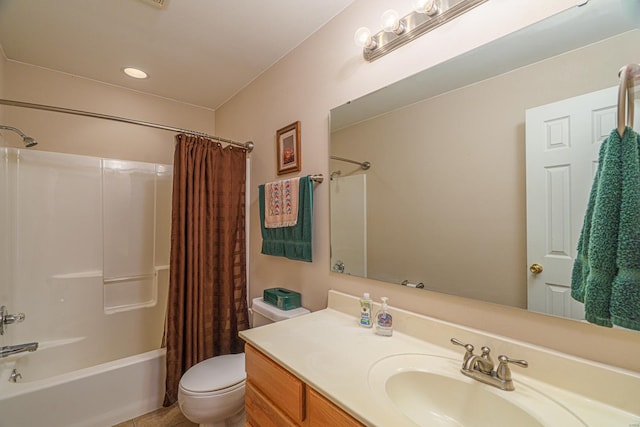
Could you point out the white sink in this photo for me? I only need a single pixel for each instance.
(430, 390)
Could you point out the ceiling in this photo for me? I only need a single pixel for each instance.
(201, 52)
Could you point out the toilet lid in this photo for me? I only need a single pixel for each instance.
(216, 373)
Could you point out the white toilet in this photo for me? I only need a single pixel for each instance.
(211, 393)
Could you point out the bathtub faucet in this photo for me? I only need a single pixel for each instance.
(10, 350)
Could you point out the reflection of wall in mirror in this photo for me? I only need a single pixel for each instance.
(446, 203)
(6, 291)
(348, 224)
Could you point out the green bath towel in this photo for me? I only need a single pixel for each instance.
(291, 242)
(606, 272)
(580, 271)
(625, 294)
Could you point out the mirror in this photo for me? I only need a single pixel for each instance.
(444, 203)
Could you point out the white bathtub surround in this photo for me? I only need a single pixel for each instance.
(83, 254)
(101, 395)
(335, 356)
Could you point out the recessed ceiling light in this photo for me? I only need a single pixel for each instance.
(135, 73)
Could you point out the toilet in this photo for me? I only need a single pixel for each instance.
(211, 393)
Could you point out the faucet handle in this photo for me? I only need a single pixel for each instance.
(13, 318)
(8, 319)
(503, 372)
(467, 347)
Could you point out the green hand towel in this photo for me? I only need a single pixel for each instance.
(625, 293)
(595, 266)
(580, 270)
(291, 242)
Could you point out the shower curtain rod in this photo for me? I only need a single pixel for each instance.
(363, 165)
(246, 145)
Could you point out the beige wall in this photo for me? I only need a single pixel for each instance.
(89, 136)
(2, 66)
(327, 70)
(446, 194)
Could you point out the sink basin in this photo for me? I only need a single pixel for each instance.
(430, 391)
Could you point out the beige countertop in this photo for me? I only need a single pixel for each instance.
(329, 351)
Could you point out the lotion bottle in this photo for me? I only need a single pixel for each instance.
(384, 321)
(366, 320)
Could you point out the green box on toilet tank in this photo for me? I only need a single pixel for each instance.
(282, 298)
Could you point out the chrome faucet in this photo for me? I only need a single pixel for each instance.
(481, 367)
(10, 350)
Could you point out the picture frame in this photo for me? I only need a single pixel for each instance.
(289, 155)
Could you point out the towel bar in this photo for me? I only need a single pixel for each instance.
(318, 178)
(625, 96)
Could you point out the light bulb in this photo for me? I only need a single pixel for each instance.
(390, 22)
(430, 7)
(363, 38)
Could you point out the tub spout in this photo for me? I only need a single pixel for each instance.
(10, 350)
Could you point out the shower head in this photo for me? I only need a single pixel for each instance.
(27, 140)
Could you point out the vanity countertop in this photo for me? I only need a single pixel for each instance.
(330, 352)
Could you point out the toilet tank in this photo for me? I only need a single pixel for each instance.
(263, 313)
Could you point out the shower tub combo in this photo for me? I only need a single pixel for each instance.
(100, 395)
(84, 249)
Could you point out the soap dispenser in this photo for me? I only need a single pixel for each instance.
(365, 311)
(384, 321)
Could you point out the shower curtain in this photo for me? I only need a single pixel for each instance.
(207, 291)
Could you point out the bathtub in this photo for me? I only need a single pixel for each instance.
(95, 396)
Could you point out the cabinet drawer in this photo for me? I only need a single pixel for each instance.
(323, 413)
(261, 411)
(285, 390)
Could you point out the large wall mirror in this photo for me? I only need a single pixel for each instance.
(444, 203)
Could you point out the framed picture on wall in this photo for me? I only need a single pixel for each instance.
(288, 148)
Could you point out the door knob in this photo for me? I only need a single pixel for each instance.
(536, 268)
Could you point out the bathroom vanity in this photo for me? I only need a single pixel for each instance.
(323, 369)
(275, 397)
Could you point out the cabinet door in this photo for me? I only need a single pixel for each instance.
(283, 389)
(263, 412)
(322, 413)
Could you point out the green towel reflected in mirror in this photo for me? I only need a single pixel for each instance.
(606, 271)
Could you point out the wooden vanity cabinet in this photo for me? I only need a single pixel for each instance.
(322, 413)
(276, 398)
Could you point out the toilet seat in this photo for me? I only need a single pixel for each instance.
(217, 375)
(201, 394)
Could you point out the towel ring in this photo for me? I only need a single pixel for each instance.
(625, 96)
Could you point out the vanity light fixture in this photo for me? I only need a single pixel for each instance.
(391, 23)
(363, 38)
(427, 15)
(430, 7)
(135, 73)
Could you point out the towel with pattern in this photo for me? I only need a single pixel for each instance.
(281, 203)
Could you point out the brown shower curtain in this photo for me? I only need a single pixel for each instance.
(207, 288)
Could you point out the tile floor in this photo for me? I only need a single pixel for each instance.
(163, 417)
